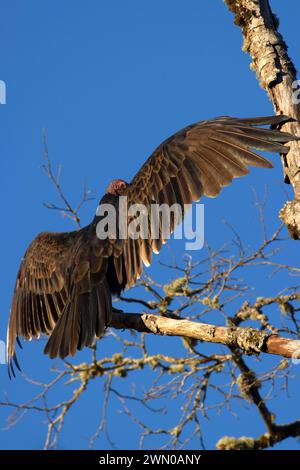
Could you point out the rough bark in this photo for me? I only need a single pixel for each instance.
(249, 340)
(276, 73)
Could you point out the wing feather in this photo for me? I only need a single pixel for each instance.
(56, 292)
(198, 161)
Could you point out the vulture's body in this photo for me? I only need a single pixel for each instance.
(66, 280)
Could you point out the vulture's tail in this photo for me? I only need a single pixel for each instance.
(83, 321)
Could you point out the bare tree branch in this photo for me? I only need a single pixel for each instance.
(67, 210)
(264, 441)
(250, 340)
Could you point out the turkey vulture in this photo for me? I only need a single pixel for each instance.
(66, 280)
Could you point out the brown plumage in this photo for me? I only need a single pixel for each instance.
(66, 280)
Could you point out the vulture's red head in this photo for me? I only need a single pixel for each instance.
(116, 187)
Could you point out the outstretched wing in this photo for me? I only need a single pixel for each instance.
(60, 291)
(41, 289)
(197, 161)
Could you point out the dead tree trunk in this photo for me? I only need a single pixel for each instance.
(277, 75)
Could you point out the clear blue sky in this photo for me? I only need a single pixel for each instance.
(109, 80)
